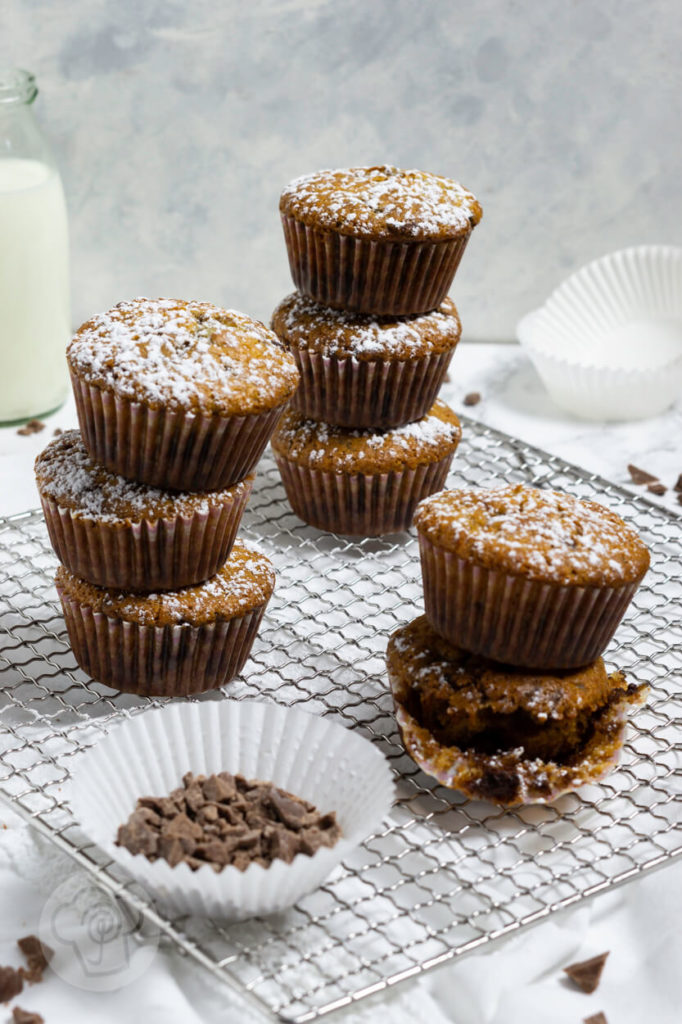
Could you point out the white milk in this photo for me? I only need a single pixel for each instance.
(34, 289)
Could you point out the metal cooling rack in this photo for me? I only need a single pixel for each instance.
(444, 875)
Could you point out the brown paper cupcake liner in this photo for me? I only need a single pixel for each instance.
(159, 554)
(371, 276)
(170, 448)
(377, 393)
(515, 620)
(161, 661)
(359, 504)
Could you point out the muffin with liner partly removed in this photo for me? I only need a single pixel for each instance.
(524, 576)
(181, 395)
(173, 642)
(117, 533)
(363, 482)
(502, 734)
(376, 239)
(359, 370)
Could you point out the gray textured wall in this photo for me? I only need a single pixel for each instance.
(177, 123)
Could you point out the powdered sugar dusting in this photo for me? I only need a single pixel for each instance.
(382, 201)
(539, 533)
(314, 443)
(67, 474)
(186, 355)
(303, 323)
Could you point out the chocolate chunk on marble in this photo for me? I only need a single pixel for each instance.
(587, 973)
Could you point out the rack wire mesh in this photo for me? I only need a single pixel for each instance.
(443, 875)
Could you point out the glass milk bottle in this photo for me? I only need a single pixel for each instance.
(35, 322)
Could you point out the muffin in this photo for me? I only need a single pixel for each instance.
(376, 239)
(171, 643)
(359, 370)
(528, 577)
(117, 533)
(180, 395)
(362, 482)
(498, 733)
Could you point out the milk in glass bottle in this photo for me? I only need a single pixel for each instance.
(34, 259)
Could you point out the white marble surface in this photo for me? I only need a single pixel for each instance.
(177, 124)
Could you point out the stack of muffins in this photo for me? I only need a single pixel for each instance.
(372, 251)
(500, 688)
(176, 402)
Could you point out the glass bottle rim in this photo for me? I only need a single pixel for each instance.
(17, 86)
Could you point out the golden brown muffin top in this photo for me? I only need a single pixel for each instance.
(542, 535)
(336, 449)
(184, 355)
(245, 582)
(382, 202)
(301, 323)
(470, 683)
(66, 474)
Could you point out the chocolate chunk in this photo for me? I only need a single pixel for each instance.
(57, 432)
(657, 488)
(11, 983)
(473, 398)
(38, 957)
(596, 1018)
(587, 973)
(32, 427)
(226, 820)
(678, 485)
(640, 476)
(20, 1016)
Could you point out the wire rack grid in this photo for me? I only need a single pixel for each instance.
(443, 875)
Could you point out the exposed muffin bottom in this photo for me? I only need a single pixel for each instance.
(503, 734)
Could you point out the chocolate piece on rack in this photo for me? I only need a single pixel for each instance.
(678, 485)
(32, 427)
(11, 983)
(640, 476)
(38, 957)
(657, 488)
(226, 820)
(587, 973)
(473, 398)
(596, 1018)
(20, 1016)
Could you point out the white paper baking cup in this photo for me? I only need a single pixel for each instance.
(607, 343)
(333, 768)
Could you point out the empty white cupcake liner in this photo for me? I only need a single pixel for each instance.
(608, 342)
(311, 757)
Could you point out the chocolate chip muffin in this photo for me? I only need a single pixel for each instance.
(530, 577)
(363, 482)
(500, 733)
(359, 370)
(116, 533)
(180, 395)
(174, 642)
(376, 239)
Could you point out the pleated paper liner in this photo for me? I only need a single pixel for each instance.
(152, 554)
(515, 620)
(333, 768)
(360, 504)
(608, 341)
(170, 448)
(161, 661)
(371, 276)
(378, 393)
